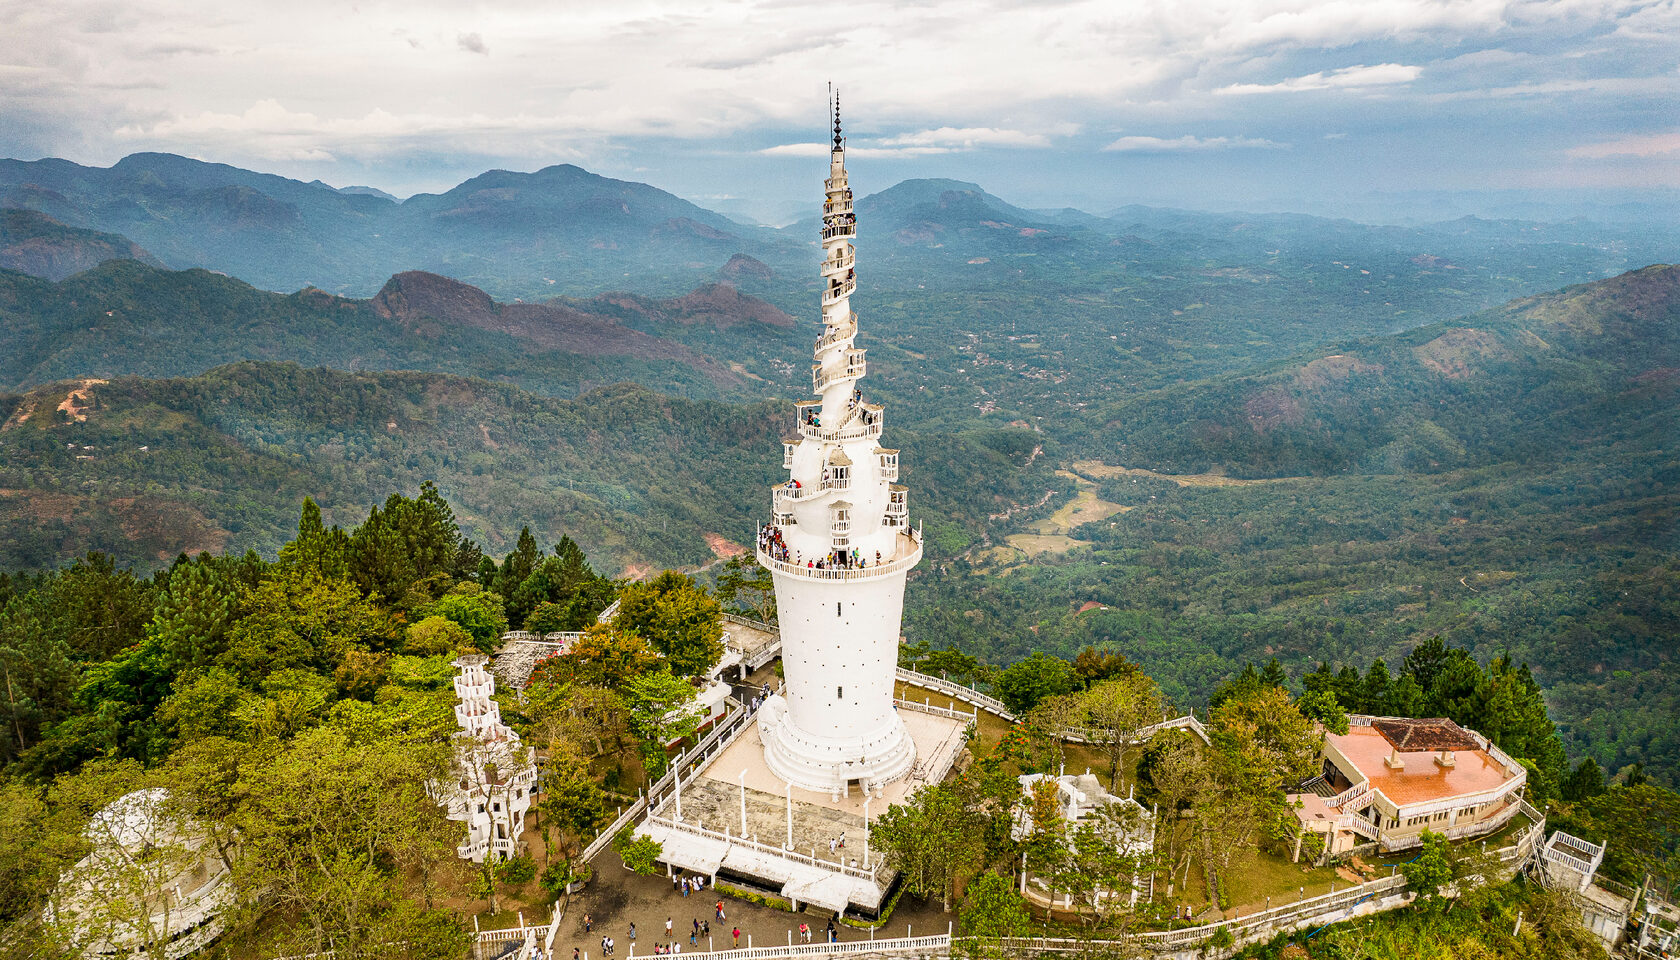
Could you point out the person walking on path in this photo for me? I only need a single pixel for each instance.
(720, 910)
(667, 928)
(588, 924)
(736, 933)
(632, 931)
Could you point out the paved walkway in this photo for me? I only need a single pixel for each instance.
(616, 898)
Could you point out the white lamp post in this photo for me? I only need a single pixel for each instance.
(866, 799)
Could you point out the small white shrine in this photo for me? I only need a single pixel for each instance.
(495, 775)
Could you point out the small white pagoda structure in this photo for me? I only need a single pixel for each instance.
(495, 777)
(839, 546)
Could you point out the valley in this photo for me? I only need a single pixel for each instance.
(1237, 437)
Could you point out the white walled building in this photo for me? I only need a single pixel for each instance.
(495, 776)
(153, 885)
(839, 546)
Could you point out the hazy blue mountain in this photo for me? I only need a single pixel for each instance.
(558, 230)
(126, 318)
(34, 243)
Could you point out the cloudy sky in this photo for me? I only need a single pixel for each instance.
(1328, 106)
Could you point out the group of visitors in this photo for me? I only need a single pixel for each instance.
(832, 934)
(685, 884)
(770, 540)
(852, 559)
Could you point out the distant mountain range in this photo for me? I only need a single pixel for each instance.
(564, 230)
(126, 318)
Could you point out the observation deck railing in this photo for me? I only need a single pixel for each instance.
(886, 568)
(831, 231)
(855, 367)
(862, 421)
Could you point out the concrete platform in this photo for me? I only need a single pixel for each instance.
(712, 835)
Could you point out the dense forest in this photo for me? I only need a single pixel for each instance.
(295, 708)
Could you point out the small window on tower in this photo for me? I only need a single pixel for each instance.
(839, 693)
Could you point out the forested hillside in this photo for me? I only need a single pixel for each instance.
(124, 317)
(145, 469)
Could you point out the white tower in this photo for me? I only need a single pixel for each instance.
(839, 545)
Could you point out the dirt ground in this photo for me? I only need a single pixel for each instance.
(616, 898)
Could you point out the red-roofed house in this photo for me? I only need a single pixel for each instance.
(1388, 779)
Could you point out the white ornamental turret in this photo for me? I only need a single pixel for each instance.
(839, 546)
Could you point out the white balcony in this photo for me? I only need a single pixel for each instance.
(788, 446)
(835, 292)
(887, 464)
(838, 334)
(853, 368)
(907, 555)
(840, 204)
(843, 228)
(836, 265)
(898, 498)
(783, 497)
(865, 421)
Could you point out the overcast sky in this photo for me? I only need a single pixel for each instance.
(1247, 103)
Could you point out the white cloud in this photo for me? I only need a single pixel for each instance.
(593, 79)
(920, 143)
(966, 138)
(1187, 142)
(1382, 74)
(1659, 144)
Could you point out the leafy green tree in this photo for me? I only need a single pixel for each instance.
(206, 704)
(514, 570)
(1093, 665)
(1117, 708)
(298, 621)
(639, 853)
(1585, 782)
(1323, 706)
(1376, 690)
(933, 838)
(479, 612)
(1431, 870)
(318, 550)
(330, 832)
(677, 617)
(746, 589)
(405, 545)
(602, 657)
(992, 907)
(1023, 684)
(192, 616)
(662, 709)
(437, 636)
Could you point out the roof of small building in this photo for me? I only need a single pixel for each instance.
(1420, 779)
(839, 459)
(1437, 733)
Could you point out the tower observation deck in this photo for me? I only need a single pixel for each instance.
(839, 546)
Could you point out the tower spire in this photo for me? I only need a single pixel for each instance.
(837, 138)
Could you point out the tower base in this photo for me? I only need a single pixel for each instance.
(833, 766)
